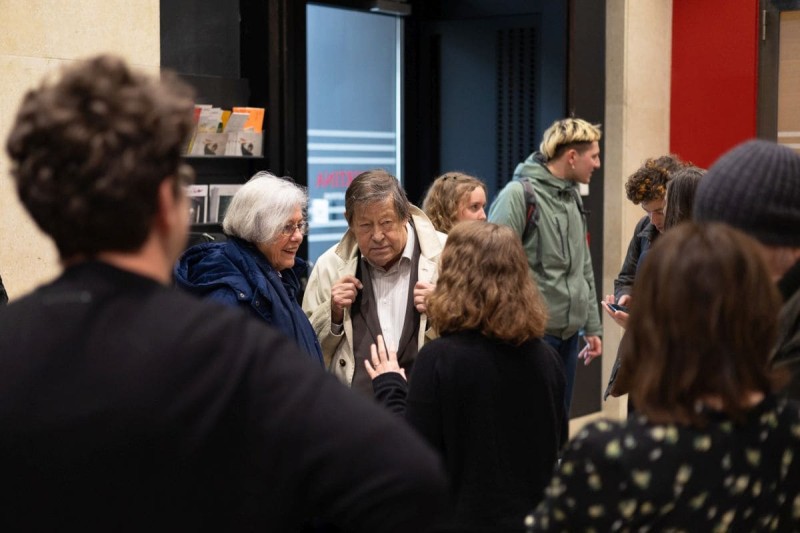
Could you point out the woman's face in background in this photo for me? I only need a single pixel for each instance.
(472, 206)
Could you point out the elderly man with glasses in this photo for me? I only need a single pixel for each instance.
(375, 280)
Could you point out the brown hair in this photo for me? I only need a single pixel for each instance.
(484, 285)
(702, 319)
(680, 195)
(443, 199)
(375, 186)
(90, 149)
(649, 182)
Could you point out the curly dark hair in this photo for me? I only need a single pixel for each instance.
(649, 182)
(90, 149)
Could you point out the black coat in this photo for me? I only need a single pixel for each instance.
(129, 406)
(496, 414)
(644, 235)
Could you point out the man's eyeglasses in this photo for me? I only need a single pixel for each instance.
(289, 229)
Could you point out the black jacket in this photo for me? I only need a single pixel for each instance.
(495, 411)
(643, 238)
(129, 406)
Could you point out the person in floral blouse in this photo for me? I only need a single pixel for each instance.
(712, 447)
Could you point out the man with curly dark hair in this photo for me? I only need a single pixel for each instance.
(128, 405)
(647, 187)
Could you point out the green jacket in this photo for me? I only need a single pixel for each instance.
(558, 253)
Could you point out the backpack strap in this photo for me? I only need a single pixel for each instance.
(531, 208)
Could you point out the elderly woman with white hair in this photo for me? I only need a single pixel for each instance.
(257, 268)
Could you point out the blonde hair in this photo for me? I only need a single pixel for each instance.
(566, 134)
(444, 198)
(484, 285)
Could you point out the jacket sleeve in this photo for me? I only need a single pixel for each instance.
(355, 464)
(391, 391)
(317, 304)
(223, 295)
(624, 282)
(593, 324)
(509, 207)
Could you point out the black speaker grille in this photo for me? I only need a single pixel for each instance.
(516, 99)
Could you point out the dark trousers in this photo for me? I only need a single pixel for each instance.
(568, 351)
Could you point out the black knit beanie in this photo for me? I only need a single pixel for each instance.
(754, 187)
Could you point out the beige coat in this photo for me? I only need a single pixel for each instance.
(341, 260)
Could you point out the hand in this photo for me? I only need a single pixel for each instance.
(593, 348)
(383, 361)
(620, 317)
(422, 290)
(343, 294)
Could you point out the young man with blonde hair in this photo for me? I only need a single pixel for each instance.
(557, 249)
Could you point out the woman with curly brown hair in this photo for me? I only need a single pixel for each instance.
(453, 197)
(489, 393)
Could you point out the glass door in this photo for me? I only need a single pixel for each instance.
(354, 62)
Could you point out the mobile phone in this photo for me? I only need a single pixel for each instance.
(617, 307)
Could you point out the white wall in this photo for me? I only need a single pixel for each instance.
(638, 63)
(37, 37)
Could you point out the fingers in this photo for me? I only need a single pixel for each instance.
(381, 359)
(422, 290)
(371, 372)
(343, 294)
(625, 300)
(592, 349)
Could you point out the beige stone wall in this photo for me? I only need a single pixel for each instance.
(37, 37)
(638, 62)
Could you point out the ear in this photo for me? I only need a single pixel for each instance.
(573, 156)
(166, 204)
(170, 216)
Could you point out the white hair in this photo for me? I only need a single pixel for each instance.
(260, 209)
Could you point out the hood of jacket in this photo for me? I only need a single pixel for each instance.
(208, 266)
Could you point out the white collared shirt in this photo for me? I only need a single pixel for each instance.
(390, 290)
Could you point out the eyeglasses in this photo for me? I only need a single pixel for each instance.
(385, 226)
(289, 229)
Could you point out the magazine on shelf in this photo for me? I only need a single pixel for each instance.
(209, 144)
(255, 120)
(198, 201)
(219, 198)
(236, 122)
(245, 143)
(210, 120)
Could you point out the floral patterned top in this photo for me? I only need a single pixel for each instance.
(639, 476)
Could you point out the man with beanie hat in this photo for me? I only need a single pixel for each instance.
(755, 187)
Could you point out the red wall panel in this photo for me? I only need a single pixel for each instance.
(714, 77)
